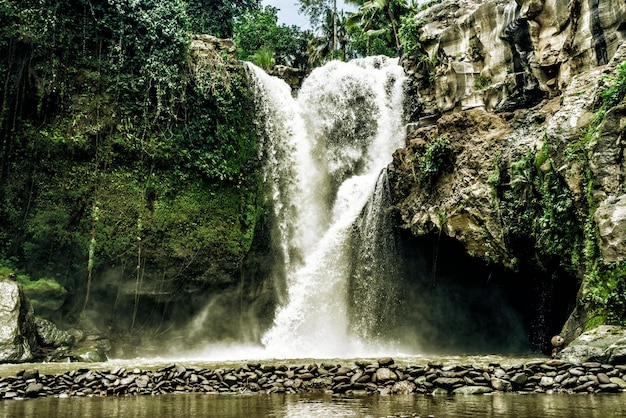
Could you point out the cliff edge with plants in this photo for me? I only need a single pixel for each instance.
(517, 143)
(128, 162)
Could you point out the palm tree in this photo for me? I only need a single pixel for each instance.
(379, 18)
(333, 42)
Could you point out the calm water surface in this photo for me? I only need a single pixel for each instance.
(296, 406)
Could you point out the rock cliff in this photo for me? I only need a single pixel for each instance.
(515, 148)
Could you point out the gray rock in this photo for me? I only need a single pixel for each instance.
(403, 388)
(51, 336)
(471, 390)
(385, 361)
(603, 344)
(384, 374)
(610, 217)
(17, 329)
(501, 385)
(618, 381)
(546, 382)
(89, 355)
(33, 389)
(448, 382)
(519, 379)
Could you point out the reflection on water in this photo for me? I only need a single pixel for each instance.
(317, 405)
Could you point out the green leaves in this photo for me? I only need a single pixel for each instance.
(257, 33)
(537, 207)
(437, 157)
(615, 92)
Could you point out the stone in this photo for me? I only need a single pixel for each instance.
(519, 379)
(403, 387)
(471, 390)
(384, 374)
(501, 385)
(50, 336)
(33, 389)
(448, 382)
(546, 382)
(17, 328)
(610, 217)
(89, 355)
(596, 346)
(618, 381)
(385, 361)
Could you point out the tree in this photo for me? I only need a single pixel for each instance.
(378, 20)
(333, 41)
(318, 10)
(257, 32)
(216, 17)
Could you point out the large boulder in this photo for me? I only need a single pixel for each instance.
(604, 344)
(17, 328)
(611, 220)
(51, 336)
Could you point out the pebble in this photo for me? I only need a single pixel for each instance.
(383, 377)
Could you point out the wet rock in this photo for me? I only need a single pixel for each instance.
(597, 345)
(33, 390)
(618, 381)
(17, 327)
(384, 374)
(472, 390)
(385, 361)
(89, 355)
(501, 385)
(448, 382)
(546, 382)
(519, 379)
(402, 388)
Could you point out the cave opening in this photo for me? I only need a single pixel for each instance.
(456, 303)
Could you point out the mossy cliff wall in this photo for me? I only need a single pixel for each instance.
(128, 164)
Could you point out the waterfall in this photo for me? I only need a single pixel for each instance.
(323, 153)
(375, 286)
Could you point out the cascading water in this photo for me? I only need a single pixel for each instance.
(324, 152)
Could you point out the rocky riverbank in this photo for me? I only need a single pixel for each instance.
(383, 377)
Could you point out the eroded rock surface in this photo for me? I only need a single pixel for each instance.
(506, 79)
(17, 336)
(504, 54)
(604, 344)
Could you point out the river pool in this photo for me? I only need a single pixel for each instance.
(292, 406)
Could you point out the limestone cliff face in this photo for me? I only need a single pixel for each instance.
(510, 80)
(497, 54)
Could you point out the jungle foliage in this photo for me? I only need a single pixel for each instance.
(538, 210)
(258, 35)
(545, 224)
(121, 168)
(605, 284)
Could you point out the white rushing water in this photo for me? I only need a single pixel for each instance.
(324, 151)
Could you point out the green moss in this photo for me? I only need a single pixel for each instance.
(44, 293)
(605, 284)
(481, 82)
(436, 158)
(536, 206)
